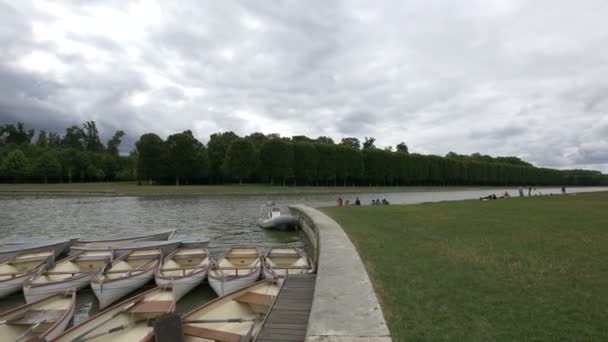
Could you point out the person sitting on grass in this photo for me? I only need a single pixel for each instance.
(385, 202)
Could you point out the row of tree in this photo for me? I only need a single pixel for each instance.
(79, 155)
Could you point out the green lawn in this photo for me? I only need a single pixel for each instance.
(131, 188)
(533, 269)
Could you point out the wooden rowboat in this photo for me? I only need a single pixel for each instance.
(237, 316)
(112, 241)
(128, 321)
(236, 268)
(184, 269)
(45, 318)
(281, 261)
(12, 248)
(73, 272)
(124, 275)
(16, 270)
(165, 246)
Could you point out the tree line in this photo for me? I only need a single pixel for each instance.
(79, 156)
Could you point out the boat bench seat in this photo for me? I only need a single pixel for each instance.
(157, 306)
(31, 317)
(256, 298)
(210, 334)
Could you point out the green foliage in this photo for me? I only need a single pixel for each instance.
(276, 160)
(352, 142)
(74, 138)
(369, 143)
(46, 165)
(305, 161)
(326, 168)
(114, 142)
(42, 139)
(402, 147)
(91, 137)
(15, 134)
(15, 165)
(151, 154)
(240, 156)
(216, 151)
(183, 151)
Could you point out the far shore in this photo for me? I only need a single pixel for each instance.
(132, 189)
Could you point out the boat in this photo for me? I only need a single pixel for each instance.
(127, 321)
(236, 316)
(125, 275)
(166, 247)
(16, 270)
(111, 241)
(43, 319)
(9, 249)
(73, 272)
(236, 268)
(273, 217)
(281, 261)
(184, 269)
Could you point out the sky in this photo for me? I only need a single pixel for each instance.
(499, 77)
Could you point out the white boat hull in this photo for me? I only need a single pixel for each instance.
(221, 286)
(110, 291)
(34, 292)
(11, 286)
(60, 328)
(182, 285)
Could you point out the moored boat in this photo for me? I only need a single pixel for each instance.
(184, 269)
(10, 249)
(16, 270)
(128, 321)
(73, 272)
(124, 275)
(273, 217)
(166, 247)
(237, 316)
(44, 319)
(281, 261)
(236, 268)
(112, 241)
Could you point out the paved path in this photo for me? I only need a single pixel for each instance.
(288, 318)
(345, 306)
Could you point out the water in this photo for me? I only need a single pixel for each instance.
(226, 220)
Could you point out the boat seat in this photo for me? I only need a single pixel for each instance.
(210, 334)
(171, 265)
(256, 298)
(157, 306)
(32, 317)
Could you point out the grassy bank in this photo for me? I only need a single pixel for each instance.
(507, 270)
(132, 189)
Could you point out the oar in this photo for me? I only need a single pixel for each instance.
(227, 320)
(116, 314)
(111, 331)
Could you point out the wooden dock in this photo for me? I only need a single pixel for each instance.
(288, 318)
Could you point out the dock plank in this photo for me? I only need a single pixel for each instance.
(288, 319)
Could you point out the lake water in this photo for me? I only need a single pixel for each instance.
(226, 220)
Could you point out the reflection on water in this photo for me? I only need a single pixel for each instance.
(226, 220)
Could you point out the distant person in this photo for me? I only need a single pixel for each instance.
(385, 202)
(357, 202)
(373, 201)
(494, 196)
(347, 203)
(521, 192)
(378, 201)
(529, 191)
(506, 195)
(339, 201)
(563, 190)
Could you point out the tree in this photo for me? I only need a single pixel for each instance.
(18, 135)
(402, 148)
(326, 168)
(216, 150)
(114, 142)
(91, 137)
(53, 140)
(352, 142)
(349, 163)
(42, 139)
(182, 152)
(306, 160)
(325, 140)
(15, 165)
(301, 138)
(47, 165)
(276, 159)
(151, 155)
(368, 144)
(240, 157)
(74, 138)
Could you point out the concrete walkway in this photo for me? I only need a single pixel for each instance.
(345, 306)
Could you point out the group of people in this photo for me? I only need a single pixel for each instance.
(521, 194)
(347, 203)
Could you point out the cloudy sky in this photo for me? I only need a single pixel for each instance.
(501, 77)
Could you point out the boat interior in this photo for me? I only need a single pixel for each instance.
(249, 306)
(135, 261)
(24, 263)
(236, 260)
(35, 319)
(285, 261)
(134, 315)
(184, 261)
(82, 262)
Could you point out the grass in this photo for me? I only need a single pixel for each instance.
(132, 189)
(533, 269)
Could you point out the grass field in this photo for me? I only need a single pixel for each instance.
(533, 269)
(131, 188)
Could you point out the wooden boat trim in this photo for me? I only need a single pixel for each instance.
(134, 299)
(169, 257)
(252, 269)
(143, 268)
(75, 276)
(271, 269)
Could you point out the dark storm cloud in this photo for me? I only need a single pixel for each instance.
(504, 77)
